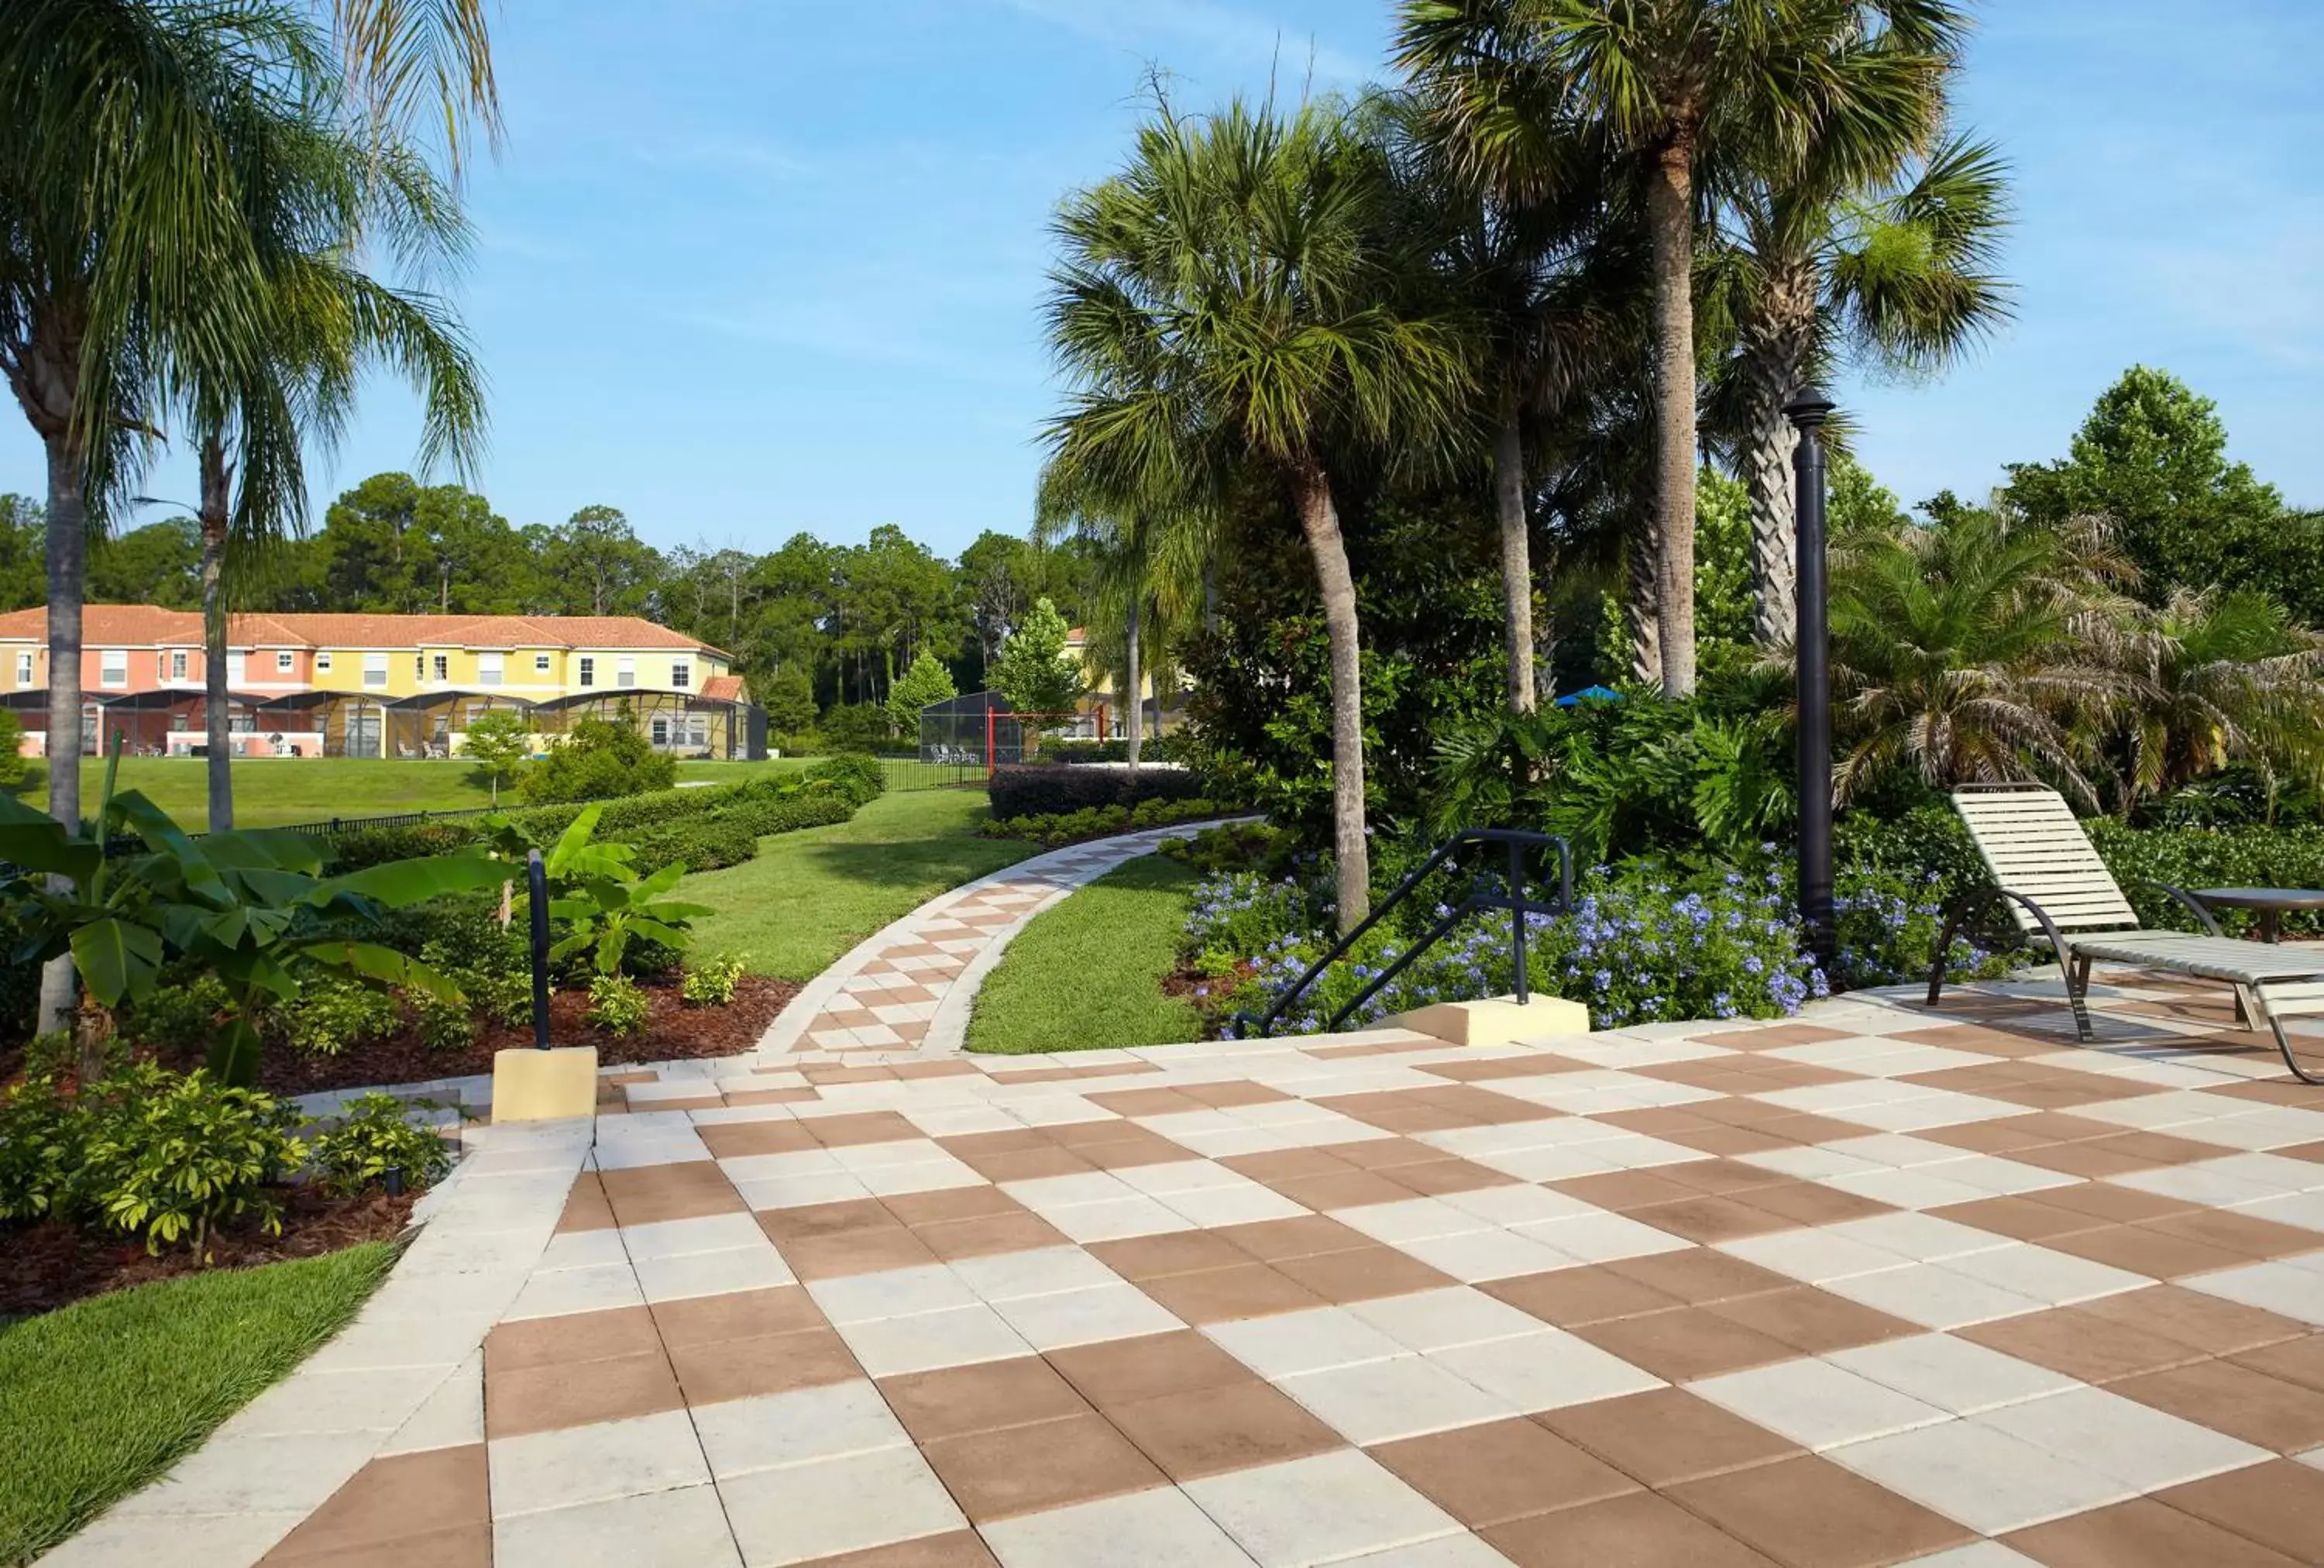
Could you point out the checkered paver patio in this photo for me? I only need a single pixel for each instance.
(907, 987)
(1873, 1287)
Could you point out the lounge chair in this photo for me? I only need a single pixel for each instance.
(2060, 892)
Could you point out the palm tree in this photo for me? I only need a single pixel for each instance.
(2223, 678)
(329, 321)
(129, 134)
(1974, 651)
(1889, 271)
(1521, 208)
(1675, 83)
(1235, 298)
(407, 58)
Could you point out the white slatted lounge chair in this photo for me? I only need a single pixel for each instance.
(2060, 893)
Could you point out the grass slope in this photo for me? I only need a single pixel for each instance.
(812, 894)
(269, 792)
(1088, 973)
(101, 1397)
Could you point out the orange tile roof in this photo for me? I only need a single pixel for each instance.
(723, 688)
(148, 625)
(110, 626)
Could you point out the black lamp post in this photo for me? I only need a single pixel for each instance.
(1808, 410)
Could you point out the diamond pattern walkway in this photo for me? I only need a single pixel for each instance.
(907, 987)
(1872, 1286)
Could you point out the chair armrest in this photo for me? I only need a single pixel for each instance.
(2049, 927)
(2186, 898)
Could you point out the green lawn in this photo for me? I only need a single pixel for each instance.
(812, 894)
(100, 1398)
(269, 792)
(1088, 973)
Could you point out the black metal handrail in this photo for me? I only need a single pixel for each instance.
(1484, 894)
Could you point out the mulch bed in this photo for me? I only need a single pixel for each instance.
(673, 1031)
(47, 1266)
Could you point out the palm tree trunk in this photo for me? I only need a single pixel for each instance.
(1516, 557)
(1641, 618)
(1670, 216)
(1137, 714)
(1776, 342)
(1320, 520)
(218, 768)
(68, 547)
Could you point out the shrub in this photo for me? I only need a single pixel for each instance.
(42, 1133)
(334, 1012)
(616, 1005)
(2218, 857)
(1637, 947)
(375, 1134)
(711, 983)
(1043, 791)
(1887, 925)
(857, 774)
(598, 759)
(177, 1015)
(1233, 846)
(361, 848)
(168, 1157)
(1239, 915)
(1097, 822)
(445, 1026)
(14, 769)
(698, 844)
(1088, 752)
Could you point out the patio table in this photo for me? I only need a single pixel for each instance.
(2269, 903)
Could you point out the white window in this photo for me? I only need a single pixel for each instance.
(625, 672)
(541, 664)
(374, 669)
(588, 670)
(177, 666)
(488, 669)
(323, 662)
(285, 662)
(112, 667)
(418, 667)
(443, 666)
(661, 732)
(681, 673)
(237, 663)
(23, 669)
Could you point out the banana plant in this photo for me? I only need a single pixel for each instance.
(594, 889)
(251, 907)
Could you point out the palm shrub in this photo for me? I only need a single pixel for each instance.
(1638, 776)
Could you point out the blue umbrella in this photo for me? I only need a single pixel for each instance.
(1595, 693)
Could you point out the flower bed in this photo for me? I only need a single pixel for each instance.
(1643, 943)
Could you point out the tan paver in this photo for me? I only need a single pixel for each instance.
(1857, 1289)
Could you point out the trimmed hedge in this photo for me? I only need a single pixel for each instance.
(705, 828)
(1038, 791)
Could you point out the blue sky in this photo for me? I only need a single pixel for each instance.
(750, 267)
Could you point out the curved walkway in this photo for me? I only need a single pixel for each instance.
(908, 987)
(1880, 1284)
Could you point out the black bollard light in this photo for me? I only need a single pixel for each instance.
(1808, 410)
(537, 883)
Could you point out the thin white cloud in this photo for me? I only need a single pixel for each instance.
(1220, 31)
(749, 153)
